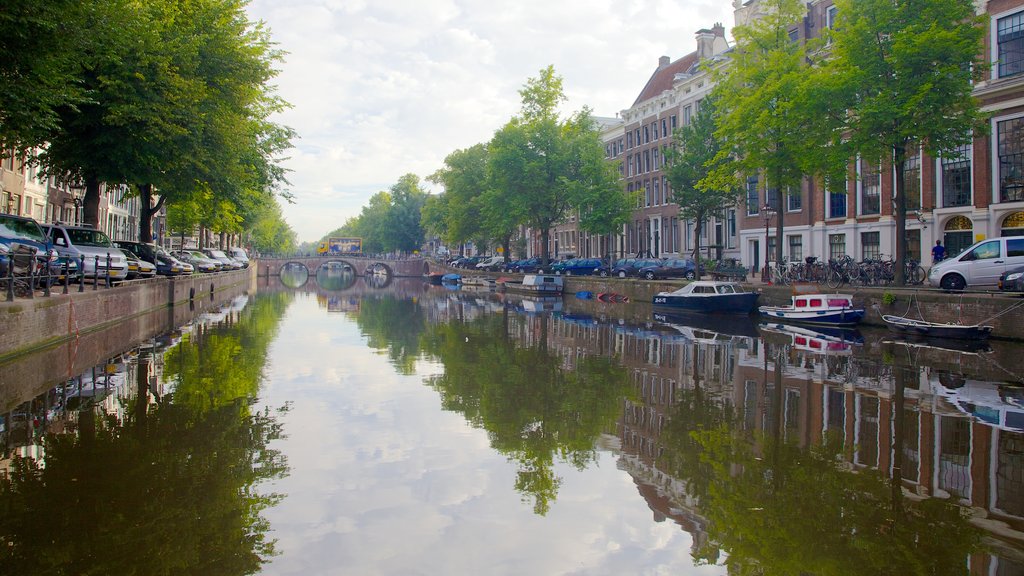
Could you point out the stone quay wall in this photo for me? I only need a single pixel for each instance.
(28, 325)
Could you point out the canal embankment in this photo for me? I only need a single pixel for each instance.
(33, 324)
(1003, 311)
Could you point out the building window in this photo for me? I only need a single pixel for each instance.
(657, 192)
(870, 189)
(870, 245)
(836, 203)
(956, 177)
(836, 246)
(647, 134)
(794, 201)
(687, 113)
(912, 179)
(664, 127)
(673, 123)
(654, 128)
(796, 248)
(1011, 160)
(772, 198)
(830, 17)
(1010, 34)
(647, 192)
(958, 235)
(731, 232)
(753, 199)
(1013, 225)
(674, 237)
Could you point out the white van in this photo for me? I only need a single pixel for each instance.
(980, 265)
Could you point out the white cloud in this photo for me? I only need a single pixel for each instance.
(391, 87)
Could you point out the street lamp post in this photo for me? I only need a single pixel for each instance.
(78, 204)
(768, 213)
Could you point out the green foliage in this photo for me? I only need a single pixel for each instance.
(763, 111)
(41, 47)
(690, 164)
(900, 76)
(465, 180)
(542, 167)
(888, 298)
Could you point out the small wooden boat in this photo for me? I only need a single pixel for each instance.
(540, 284)
(901, 325)
(433, 278)
(709, 296)
(478, 281)
(822, 309)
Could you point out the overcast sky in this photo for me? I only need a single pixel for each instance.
(384, 88)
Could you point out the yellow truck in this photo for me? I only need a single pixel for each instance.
(340, 246)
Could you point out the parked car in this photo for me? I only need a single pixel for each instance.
(239, 254)
(578, 267)
(22, 230)
(469, 262)
(527, 266)
(493, 263)
(164, 263)
(631, 266)
(229, 262)
(670, 268)
(198, 261)
(1012, 280)
(982, 264)
(77, 242)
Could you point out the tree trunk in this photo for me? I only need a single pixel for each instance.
(779, 228)
(901, 217)
(698, 224)
(91, 202)
(545, 234)
(145, 213)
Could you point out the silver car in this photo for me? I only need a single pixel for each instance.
(76, 242)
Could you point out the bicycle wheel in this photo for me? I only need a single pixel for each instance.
(835, 278)
(916, 275)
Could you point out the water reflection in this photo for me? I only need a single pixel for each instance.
(150, 462)
(773, 449)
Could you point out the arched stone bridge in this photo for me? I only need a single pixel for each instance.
(360, 265)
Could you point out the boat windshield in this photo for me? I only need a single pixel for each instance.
(726, 289)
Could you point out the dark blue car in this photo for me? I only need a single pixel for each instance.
(26, 231)
(578, 267)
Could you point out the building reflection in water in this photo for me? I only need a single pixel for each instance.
(889, 409)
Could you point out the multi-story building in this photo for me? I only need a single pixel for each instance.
(12, 182)
(670, 100)
(975, 193)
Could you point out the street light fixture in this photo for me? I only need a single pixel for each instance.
(768, 214)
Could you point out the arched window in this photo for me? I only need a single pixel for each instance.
(959, 234)
(1013, 225)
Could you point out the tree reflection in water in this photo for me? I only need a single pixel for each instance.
(775, 508)
(160, 487)
(536, 406)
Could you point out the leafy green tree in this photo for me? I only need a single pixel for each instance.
(404, 232)
(537, 163)
(465, 180)
(176, 97)
(602, 203)
(763, 112)
(900, 76)
(41, 45)
(695, 154)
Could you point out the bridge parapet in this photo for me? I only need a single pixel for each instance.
(401, 268)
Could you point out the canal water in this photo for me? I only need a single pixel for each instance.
(343, 425)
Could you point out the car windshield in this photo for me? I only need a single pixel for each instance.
(18, 229)
(217, 254)
(84, 237)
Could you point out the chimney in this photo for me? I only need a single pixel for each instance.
(663, 61)
(705, 43)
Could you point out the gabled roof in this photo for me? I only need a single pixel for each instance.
(663, 77)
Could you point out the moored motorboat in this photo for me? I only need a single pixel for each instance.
(823, 309)
(709, 296)
(433, 278)
(909, 326)
(544, 284)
